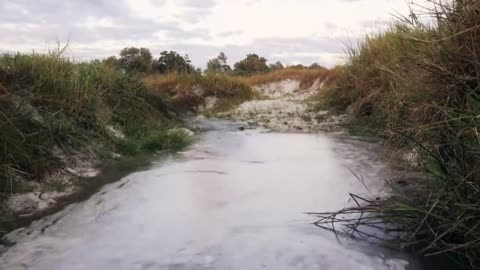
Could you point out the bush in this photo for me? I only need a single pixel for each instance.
(156, 141)
(252, 64)
(133, 60)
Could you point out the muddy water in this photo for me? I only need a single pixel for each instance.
(234, 200)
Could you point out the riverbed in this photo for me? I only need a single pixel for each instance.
(235, 199)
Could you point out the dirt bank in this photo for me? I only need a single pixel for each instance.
(286, 107)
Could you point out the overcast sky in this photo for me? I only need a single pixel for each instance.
(292, 31)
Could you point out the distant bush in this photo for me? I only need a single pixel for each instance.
(218, 64)
(250, 65)
(172, 62)
(275, 67)
(134, 60)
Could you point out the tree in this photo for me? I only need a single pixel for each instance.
(316, 66)
(135, 59)
(298, 66)
(111, 61)
(218, 64)
(251, 64)
(173, 62)
(277, 66)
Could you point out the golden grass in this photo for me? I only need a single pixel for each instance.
(306, 76)
(188, 91)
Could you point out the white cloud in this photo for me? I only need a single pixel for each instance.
(293, 31)
(93, 22)
(299, 19)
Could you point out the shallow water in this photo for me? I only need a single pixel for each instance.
(233, 200)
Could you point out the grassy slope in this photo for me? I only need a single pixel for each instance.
(419, 86)
(49, 105)
(187, 92)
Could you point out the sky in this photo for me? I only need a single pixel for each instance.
(290, 31)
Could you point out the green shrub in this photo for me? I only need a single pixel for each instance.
(157, 141)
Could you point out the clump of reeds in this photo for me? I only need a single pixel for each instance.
(418, 83)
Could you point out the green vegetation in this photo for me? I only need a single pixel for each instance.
(134, 59)
(140, 61)
(419, 84)
(158, 141)
(52, 109)
(173, 62)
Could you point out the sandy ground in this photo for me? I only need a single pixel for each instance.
(287, 109)
(83, 165)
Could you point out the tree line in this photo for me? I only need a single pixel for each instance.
(140, 60)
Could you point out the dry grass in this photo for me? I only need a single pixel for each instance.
(188, 91)
(306, 76)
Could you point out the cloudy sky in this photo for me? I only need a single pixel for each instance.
(292, 31)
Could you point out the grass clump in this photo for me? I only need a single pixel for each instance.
(158, 141)
(189, 91)
(419, 84)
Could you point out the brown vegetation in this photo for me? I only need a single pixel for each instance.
(189, 91)
(306, 76)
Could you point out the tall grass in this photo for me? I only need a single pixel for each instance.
(188, 91)
(418, 83)
(51, 108)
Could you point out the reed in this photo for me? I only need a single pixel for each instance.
(417, 84)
